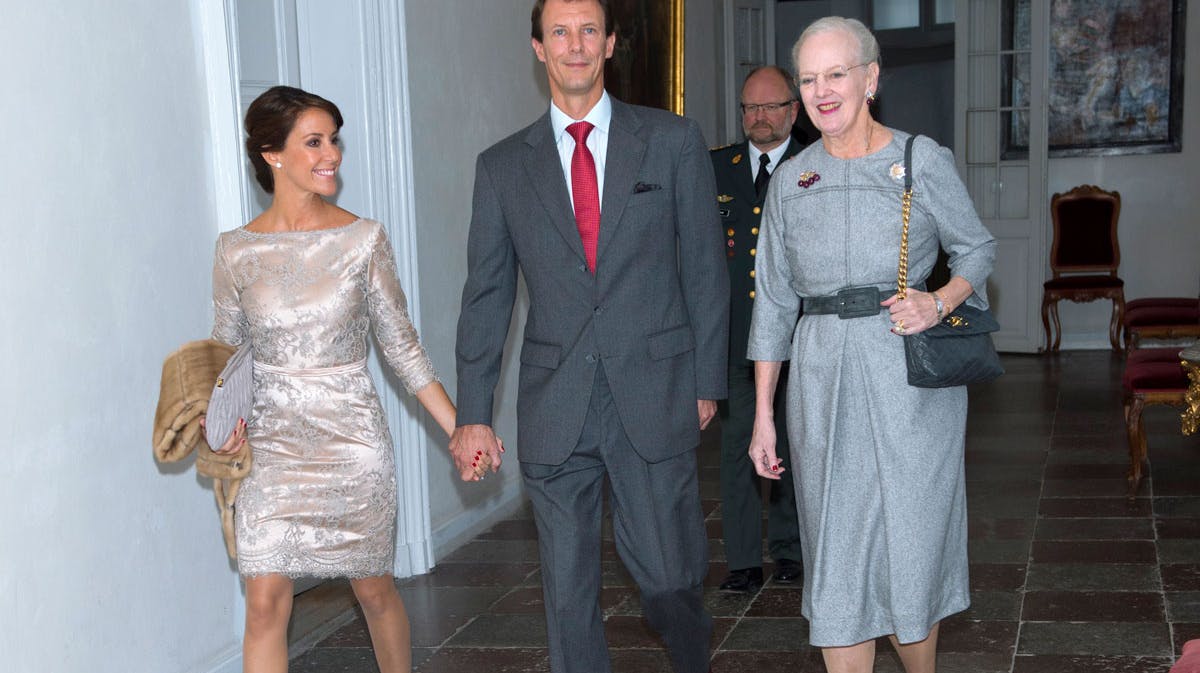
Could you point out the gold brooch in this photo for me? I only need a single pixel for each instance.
(897, 171)
(807, 178)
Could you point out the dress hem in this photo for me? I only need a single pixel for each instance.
(904, 634)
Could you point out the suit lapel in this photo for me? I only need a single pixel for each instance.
(546, 175)
(622, 162)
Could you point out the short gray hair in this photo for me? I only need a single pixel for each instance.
(868, 46)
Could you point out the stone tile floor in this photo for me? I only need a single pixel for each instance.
(1067, 575)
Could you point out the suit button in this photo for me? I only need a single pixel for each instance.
(751, 273)
(757, 210)
(591, 357)
(754, 231)
(753, 251)
(752, 294)
(583, 267)
(598, 310)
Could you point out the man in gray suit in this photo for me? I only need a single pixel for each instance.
(613, 225)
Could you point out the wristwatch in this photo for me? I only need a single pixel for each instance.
(941, 306)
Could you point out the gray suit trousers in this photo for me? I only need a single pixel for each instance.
(659, 530)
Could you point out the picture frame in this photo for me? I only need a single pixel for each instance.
(1116, 77)
(646, 67)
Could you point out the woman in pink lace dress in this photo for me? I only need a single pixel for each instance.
(305, 282)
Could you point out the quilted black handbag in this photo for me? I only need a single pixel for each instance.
(956, 351)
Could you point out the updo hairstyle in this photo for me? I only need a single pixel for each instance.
(868, 46)
(270, 119)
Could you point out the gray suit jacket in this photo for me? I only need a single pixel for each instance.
(655, 313)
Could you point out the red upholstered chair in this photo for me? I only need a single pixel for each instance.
(1189, 660)
(1152, 376)
(1160, 318)
(1084, 257)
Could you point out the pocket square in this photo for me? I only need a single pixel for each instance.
(645, 187)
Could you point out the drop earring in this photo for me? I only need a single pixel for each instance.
(870, 97)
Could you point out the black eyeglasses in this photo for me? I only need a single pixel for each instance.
(753, 108)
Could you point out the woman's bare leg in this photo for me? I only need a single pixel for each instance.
(919, 657)
(858, 658)
(387, 622)
(268, 608)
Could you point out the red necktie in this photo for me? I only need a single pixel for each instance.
(584, 192)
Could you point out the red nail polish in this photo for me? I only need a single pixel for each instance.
(774, 468)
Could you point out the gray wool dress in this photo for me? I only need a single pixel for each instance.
(877, 464)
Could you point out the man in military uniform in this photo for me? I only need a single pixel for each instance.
(769, 107)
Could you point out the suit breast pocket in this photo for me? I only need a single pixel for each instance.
(647, 198)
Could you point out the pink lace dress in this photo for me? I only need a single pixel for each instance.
(320, 499)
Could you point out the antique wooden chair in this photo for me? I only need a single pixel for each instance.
(1151, 376)
(1160, 318)
(1084, 257)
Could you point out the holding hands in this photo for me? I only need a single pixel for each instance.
(475, 449)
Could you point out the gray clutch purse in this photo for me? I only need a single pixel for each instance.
(232, 396)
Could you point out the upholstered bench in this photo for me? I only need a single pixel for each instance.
(1152, 376)
(1160, 318)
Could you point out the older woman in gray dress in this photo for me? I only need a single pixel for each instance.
(878, 464)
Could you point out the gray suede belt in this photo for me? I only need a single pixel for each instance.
(852, 302)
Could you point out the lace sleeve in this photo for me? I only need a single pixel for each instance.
(389, 316)
(229, 322)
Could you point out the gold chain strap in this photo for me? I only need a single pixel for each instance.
(902, 272)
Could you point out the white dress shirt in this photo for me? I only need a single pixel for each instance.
(775, 154)
(600, 116)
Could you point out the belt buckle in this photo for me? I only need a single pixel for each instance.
(857, 302)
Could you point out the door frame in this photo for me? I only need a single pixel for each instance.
(1017, 245)
(733, 85)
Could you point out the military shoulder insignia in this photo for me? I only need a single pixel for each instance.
(724, 198)
(718, 148)
(737, 158)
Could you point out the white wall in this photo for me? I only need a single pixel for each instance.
(473, 80)
(109, 562)
(1159, 228)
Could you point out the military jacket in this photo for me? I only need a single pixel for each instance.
(741, 212)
